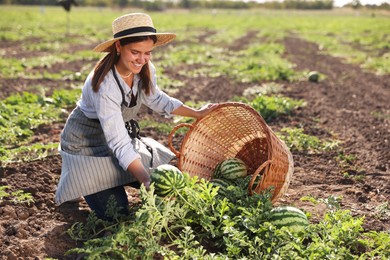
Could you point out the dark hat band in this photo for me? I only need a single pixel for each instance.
(134, 30)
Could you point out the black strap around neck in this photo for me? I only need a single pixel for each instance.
(133, 101)
(120, 88)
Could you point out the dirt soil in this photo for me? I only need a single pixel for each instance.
(350, 104)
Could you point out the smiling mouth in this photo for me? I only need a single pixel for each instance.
(139, 65)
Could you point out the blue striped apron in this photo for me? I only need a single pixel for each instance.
(86, 168)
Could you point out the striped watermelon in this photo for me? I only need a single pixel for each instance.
(167, 180)
(248, 178)
(233, 168)
(222, 184)
(217, 171)
(287, 216)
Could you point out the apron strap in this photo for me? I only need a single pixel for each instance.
(120, 87)
(132, 126)
(133, 101)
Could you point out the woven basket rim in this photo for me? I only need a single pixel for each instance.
(192, 127)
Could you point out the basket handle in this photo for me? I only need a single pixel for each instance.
(257, 172)
(170, 137)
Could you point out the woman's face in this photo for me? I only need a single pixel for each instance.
(134, 56)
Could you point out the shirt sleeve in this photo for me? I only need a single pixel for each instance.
(108, 109)
(158, 100)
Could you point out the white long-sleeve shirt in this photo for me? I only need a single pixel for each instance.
(105, 105)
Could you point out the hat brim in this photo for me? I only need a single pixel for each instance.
(162, 38)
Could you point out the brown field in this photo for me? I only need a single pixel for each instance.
(342, 104)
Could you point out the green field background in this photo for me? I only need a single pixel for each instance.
(359, 36)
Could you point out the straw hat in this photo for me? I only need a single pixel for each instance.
(131, 25)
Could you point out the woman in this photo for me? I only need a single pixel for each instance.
(99, 145)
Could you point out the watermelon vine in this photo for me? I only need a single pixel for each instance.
(198, 223)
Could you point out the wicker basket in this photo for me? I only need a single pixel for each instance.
(235, 130)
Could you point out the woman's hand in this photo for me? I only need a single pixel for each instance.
(203, 111)
(138, 170)
(147, 185)
(196, 113)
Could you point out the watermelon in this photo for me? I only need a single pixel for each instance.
(167, 180)
(247, 180)
(287, 216)
(217, 171)
(313, 76)
(222, 184)
(233, 168)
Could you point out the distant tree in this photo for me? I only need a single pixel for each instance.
(120, 3)
(356, 4)
(136, 3)
(300, 4)
(385, 6)
(155, 5)
(101, 3)
(186, 4)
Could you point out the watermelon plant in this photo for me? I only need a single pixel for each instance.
(21, 114)
(200, 224)
(17, 197)
(297, 140)
(271, 107)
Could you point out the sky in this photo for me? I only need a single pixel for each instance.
(339, 3)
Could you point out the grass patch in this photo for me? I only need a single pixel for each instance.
(22, 114)
(271, 107)
(17, 197)
(22, 68)
(28, 153)
(161, 128)
(297, 140)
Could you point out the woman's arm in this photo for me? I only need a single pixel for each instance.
(161, 103)
(187, 111)
(138, 170)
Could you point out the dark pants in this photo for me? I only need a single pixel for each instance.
(98, 201)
